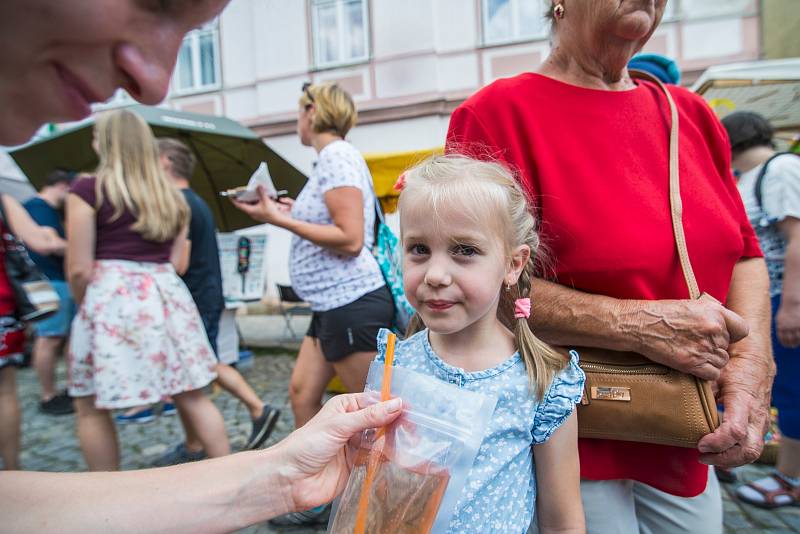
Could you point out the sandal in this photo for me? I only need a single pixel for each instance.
(726, 476)
(769, 492)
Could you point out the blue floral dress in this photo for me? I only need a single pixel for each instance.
(500, 491)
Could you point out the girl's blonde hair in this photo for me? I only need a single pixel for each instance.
(487, 192)
(335, 110)
(130, 176)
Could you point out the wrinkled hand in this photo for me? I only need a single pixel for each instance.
(265, 210)
(315, 459)
(691, 336)
(787, 325)
(744, 391)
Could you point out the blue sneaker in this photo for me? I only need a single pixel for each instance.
(144, 416)
(179, 455)
(168, 408)
(314, 516)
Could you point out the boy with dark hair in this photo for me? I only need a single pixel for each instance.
(51, 333)
(200, 271)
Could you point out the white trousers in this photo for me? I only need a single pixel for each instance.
(629, 507)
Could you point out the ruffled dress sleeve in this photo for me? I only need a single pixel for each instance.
(383, 336)
(559, 401)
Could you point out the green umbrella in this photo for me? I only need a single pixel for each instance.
(227, 154)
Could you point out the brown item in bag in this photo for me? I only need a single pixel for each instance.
(628, 397)
(401, 500)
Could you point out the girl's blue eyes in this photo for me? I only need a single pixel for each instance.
(465, 250)
(457, 250)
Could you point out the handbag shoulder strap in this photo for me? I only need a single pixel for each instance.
(676, 206)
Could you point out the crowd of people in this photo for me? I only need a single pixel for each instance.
(502, 262)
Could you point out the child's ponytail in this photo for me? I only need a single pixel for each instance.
(541, 361)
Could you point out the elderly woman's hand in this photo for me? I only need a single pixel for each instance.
(316, 460)
(691, 336)
(744, 392)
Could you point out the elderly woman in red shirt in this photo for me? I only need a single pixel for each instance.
(591, 148)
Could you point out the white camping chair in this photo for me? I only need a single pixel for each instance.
(291, 305)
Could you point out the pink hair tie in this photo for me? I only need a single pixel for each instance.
(522, 308)
(400, 183)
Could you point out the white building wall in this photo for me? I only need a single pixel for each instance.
(239, 56)
(401, 28)
(281, 38)
(456, 28)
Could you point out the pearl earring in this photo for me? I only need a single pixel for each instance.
(558, 11)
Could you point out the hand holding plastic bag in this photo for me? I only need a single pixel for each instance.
(420, 462)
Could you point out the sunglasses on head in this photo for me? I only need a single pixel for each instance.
(306, 85)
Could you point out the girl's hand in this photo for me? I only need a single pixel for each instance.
(265, 210)
(787, 324)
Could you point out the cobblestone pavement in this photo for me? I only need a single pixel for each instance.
(49, 443)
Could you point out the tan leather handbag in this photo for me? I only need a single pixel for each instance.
(628, 397)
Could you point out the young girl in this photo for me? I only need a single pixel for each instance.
(137, 336)
(469, 242)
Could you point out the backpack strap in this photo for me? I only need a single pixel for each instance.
(758, 188)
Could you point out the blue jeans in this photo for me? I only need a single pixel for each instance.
(785, 389)
(58, 324)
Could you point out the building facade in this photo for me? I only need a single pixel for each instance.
(407, 63)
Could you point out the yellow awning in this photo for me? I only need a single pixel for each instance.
(388, 166)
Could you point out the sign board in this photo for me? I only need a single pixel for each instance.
(242, 259)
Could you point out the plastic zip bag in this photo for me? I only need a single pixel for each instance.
(420, 462)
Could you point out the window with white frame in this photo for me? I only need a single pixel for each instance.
(506, 21)
(340, 32)
(198, 60)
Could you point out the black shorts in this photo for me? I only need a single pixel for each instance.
(353, 327)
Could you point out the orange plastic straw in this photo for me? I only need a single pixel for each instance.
(375, 452)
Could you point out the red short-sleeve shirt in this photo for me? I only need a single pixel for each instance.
(596, 166)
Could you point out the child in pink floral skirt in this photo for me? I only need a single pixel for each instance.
(137, 336)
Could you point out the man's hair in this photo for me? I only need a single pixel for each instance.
(59, 176)
(746, 130)
(181, 158)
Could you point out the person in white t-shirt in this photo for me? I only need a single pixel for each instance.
(769, 183)
(331, 263)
